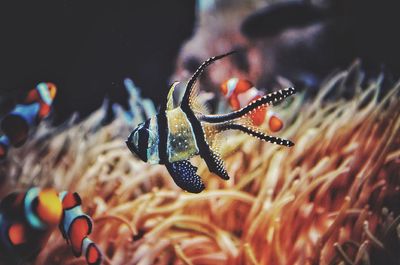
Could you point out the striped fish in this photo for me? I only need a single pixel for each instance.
(44, 94)
(176, 134)
(27, 220)
(35, 107)
(75, 227)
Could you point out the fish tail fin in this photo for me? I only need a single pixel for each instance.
(262, 102)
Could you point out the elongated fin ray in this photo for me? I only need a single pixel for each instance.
(198, 107)
(266, 100)
(185, 176)
(260, 135)
(189, 88)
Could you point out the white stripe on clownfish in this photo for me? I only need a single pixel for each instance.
(44, 92)
(31, 217)
(231, 86)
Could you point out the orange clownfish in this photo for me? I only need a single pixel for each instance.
(241, 92)
(44, 94)
(27, 220)
(35, 107)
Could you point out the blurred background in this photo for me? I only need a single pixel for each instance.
(87, 48)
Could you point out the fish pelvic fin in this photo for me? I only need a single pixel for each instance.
(185, 176)
(262, 102)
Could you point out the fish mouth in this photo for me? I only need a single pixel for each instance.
(131, 145)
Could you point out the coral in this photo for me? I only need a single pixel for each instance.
(333, 198)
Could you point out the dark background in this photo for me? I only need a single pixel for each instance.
(88, 47)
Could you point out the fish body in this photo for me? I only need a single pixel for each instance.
(241, 92)
(29, 113)
(43, 94)
(27, 220)
(176, 134)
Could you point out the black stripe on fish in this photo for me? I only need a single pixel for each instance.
(162, 125)
(205, 151)
(268, 99)
(144, 140)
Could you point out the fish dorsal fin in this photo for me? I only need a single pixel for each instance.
(190, 93)
(170, 96)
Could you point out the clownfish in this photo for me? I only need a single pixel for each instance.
(27, 220)
(35, 107)
(4, 146)
(240, 92)
(76, 226)
(176, 134)
(44, 94)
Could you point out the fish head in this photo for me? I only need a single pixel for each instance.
(47, 92)
(143, 140)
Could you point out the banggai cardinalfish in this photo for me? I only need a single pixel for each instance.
(176, 134)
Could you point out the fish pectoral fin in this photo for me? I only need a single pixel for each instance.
(216, 165)
(184, 175)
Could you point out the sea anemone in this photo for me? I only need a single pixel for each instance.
(333, 198)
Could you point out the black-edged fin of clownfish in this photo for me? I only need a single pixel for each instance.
(184, 175)
(71, 200)
(191, 107)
